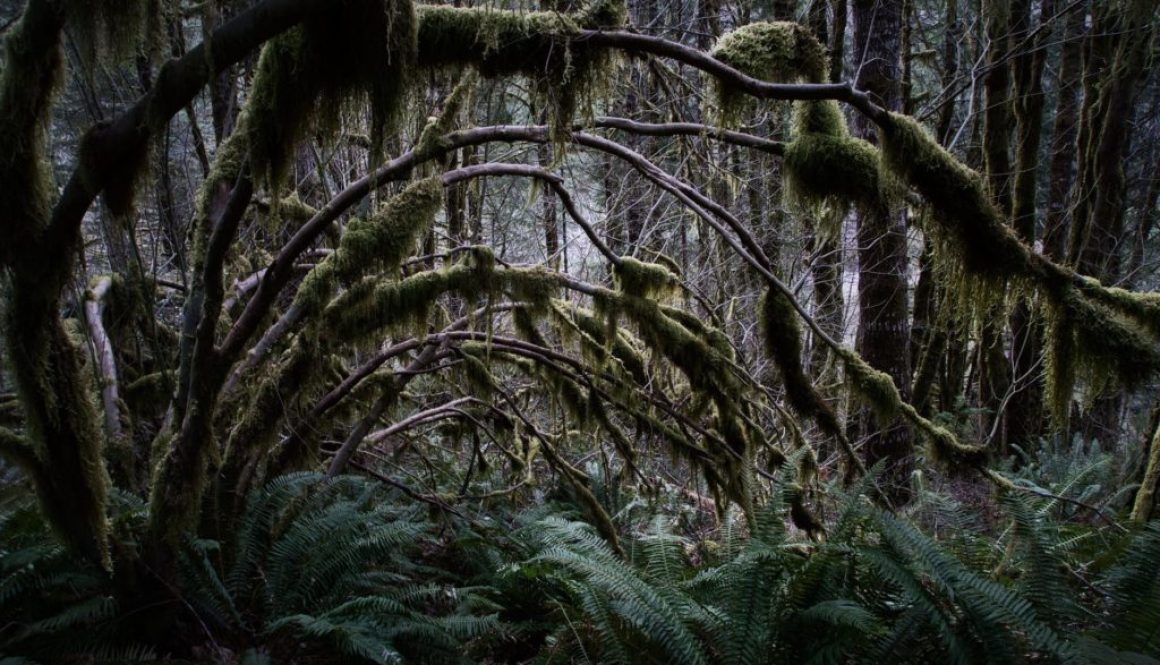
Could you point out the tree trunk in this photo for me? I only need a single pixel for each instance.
(1024, 421)
(883, 325)
(1064, 133)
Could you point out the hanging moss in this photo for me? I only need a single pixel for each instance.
(116, 30)
(354, 52)
(431, 140)
(474, 369)
(616, 345)
(874, 387)
(565, 72)
(978, 236)
(257, 424)
(1097, 333)
(228, 163)
(645, 280)
(714, 337)
(534, 287)
(378, 243)
(1110, 346)
(782, 335)
(1142, 308)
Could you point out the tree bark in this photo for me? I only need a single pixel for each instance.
(883, 324)
(1024, 421)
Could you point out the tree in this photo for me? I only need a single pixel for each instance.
(305, 320)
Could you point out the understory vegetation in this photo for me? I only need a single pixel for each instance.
(698, 332)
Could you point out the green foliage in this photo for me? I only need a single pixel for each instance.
(877, 591)
(331, 564)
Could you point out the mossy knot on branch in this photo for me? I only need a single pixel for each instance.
(768, 51)
(827, 173)
(309, 79)
(773, 51)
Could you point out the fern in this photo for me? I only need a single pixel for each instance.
(1133, 624)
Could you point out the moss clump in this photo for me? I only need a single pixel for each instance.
(377, 243)
(351, 52)
(783, 342)
(773, 51)
(769, 51)
(644, 280)
(825, 174)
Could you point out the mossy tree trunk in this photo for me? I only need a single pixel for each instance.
(883, 324)
(64, 456)
(1145, 501)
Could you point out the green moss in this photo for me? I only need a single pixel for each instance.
(565, 72)
(115, 30)
(1097, 333)
(819, 117)
(257, 424)
(781, 333)
(599, 344)
(645, 280)
(714, 337)
(825, 174)
(1110, 346)
(474, 370)
(773, 51)
(400, 306)
(356, 52)
(874, 387)
(769, 51)
(1142, 308)
(228, 163)
(378, 243)
(975, 232)
(532, 286)
(431, 140)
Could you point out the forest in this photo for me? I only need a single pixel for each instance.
(579, 331)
